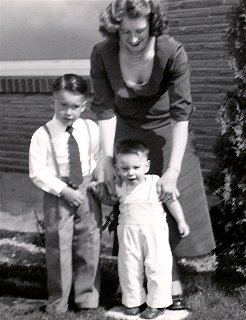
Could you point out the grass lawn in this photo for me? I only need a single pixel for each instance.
(211, 295)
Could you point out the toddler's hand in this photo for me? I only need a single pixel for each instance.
(100, 192)
(73, 197)
(184, 229)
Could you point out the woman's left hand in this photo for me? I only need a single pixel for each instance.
(167, 185)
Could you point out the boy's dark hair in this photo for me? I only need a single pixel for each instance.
(70, 82)
(131, 146)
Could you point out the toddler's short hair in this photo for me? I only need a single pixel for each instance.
(70, 82)
(131, 146)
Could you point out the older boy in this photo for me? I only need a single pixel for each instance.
(62, 159)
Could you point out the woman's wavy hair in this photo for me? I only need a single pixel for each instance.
(111, 17)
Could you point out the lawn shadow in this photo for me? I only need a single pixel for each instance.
(203, 283)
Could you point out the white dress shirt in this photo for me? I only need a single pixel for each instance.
(42, 170)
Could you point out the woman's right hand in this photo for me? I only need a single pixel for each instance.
(110, 175)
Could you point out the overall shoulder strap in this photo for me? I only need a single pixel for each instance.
(151, 185)
(53, 154)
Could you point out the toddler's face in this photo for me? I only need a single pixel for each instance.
(68, 106)
(132, 167)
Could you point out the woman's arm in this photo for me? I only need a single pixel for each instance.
(103, 104)
(168, 182)
(180, 110)
(179, 141)
(107, 134)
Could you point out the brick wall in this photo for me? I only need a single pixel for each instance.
(21, 115)
(199, 24)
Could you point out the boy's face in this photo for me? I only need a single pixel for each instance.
(132, 167)
(68, 106)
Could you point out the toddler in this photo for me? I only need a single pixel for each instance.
(144, 250)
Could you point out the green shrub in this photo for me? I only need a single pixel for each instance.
(228, 180)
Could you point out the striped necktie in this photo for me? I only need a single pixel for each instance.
(75, 169)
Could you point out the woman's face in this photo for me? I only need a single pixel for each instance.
(134, 33)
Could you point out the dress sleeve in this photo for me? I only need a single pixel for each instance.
(103, 99)
(181, 106)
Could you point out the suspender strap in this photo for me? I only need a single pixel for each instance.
(53, 154)
(90, 144)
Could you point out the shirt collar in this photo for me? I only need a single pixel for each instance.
(58, 127)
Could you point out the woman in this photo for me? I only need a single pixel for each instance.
(140, 76)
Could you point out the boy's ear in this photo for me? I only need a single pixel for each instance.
(147, 166)
(116, 169)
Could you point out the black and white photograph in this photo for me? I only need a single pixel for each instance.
(122, 159)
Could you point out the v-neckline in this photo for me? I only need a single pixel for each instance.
(147, 89)
(144, 85)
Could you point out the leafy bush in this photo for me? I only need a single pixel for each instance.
(228, 180)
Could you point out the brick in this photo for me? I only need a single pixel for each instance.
(16, 83)
(9, 85)
(36, 85)
(4, 86)
(43, 86)
(213, 55)
(29, 85)
(49, 85)
(23, 86)
(206, 46)
(199, 29)
(191, 13)
(209, 64)
(199, 38)
(178, 5)
(207, 20)
(223, 74)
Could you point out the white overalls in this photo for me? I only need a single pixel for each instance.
(144, 249)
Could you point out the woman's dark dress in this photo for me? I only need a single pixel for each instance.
(146, 113)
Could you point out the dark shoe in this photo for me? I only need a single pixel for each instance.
(79, 309)
(42, 308)
(135, 311)
(178, 303)
(152, 313)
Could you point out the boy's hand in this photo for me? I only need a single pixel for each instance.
(73, 197)
(184, 229)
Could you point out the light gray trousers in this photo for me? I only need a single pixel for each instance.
(72, 241)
